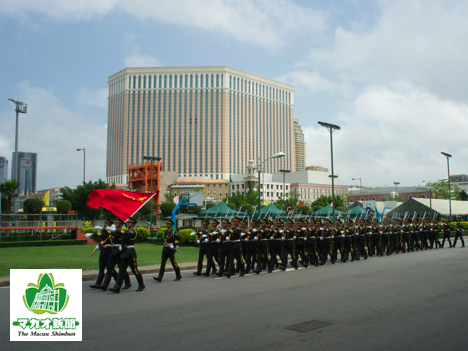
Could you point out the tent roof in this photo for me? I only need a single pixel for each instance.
(220, 210)
(271, 210)
(326, 211)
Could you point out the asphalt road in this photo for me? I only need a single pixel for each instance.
(416, 301)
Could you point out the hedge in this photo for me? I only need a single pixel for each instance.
(44, 243)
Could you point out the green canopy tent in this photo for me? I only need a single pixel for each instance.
(220, 210)
(355, 211)
(326, 211)
(271, 210)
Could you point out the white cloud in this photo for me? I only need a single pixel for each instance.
(309, 80)
(96, 98)
(141, 60)
(263, 22)
(423, 42)
(393, 133)
(54, 133)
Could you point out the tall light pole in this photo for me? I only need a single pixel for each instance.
(448, 177)
(284, 171)
(360, 185)
(331, 128)
(260, 164)
(84, 163)
(21, 107)
(396, 189)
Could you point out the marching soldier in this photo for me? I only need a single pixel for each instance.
(129, 257)
(348, 230)
(384, 237)
(300, 247)
(251, 241)
(290, 247)
(328, 235)
(204, 246)
(445, 228)
(105, 252)
(276, 244)
(405, 236)
(171, 243)
(225, 248)
(236, 248)
(459, 233)
(262, 253)
(311, 237)
(213, 252)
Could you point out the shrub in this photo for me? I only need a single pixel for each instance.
(63, 206)
(142, 233)
(33, 205)
(161, 231)
(453, 225)
(185, 237)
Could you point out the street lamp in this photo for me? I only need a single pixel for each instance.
(21, 107)
(84, 163)
(396, 189)
(360, 185)
(284, 171)
(448, 176)
(331, 128)
(260, 164)
(151, 159)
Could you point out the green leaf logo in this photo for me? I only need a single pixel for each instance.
(46, 296)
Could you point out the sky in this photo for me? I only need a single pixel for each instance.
(391, 74)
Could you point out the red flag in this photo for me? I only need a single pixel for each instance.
(123, 204)
(302, 203)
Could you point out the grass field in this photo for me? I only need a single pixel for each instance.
(76, 256)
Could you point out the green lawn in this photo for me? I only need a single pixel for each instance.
(76, 256)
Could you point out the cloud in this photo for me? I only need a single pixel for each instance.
(423, 42)
(309, 80)
(393, 133)
(96, 98)
(263, 22)
(54, 132)
(141, 60)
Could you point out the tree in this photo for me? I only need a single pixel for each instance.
(209, 205)
(324, 201)
(440, 190)
(78, 197)
(8, 189)
(462, 196)
(391, 198)
(167, 208)
(147, 209)
(63, 206)
(33, 205)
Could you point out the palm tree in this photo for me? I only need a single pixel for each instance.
(8, 188)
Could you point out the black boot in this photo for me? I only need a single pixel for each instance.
(178, 278)
(197, 273)
(140, 288)
(158, 278)
(115, 289)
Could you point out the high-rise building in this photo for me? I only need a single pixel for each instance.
(204, 122)
(300, 146)
(27, 172)
(3, 169)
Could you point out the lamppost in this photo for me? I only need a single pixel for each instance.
(284, 171)
(331, 128)
(448, 176)
(151, 159)
(396, 189)
(360, 185)
(260, 164)
(21, 107)
(84, 163)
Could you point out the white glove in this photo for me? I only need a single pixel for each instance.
(207, 241)
(321, 228)
(341, 231)
(120, 248)
(215, 232)
(176, 246)
(294, 237)
(223, 231)
(381, 232)
(321, 238)
(381, 225)
(254, 230)
(97, 247)
(193, 233)
(98, 227)
(218, 241)
(242, 234)
(255, 238)
(303, 229)
(370, 226)
(305, 239)
(171, 246)
(356, 234)
(282, 238)
(342, 235)
(281, 231)
(332, 237)
(198, 241)
(246, 239)
(88, 235)
(111, 229)
(271, 238)
(227, 239)
(204, 236)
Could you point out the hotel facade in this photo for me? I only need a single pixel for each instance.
(204, 122)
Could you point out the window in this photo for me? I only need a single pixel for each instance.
(286, 187)
(373, 198)
(268, 193)
(233, 187)
(268, 186)
(242, 186)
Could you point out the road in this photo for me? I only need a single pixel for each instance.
(415, 301)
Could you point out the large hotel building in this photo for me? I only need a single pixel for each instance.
(204, 122)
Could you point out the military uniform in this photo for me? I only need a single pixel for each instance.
(213, 251)
(459, 233)
(263, 258)
(300, 246)
(105, 247)
(236, 249)
(224, 248)
(129, 257)
(312, 239)
(290, 247)
(445, 228)
(405, 237)
(204, 247)
(276, 245)
(171, 242)
(327, 245)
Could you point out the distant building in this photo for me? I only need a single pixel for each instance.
(299, 144)
(405, 192)
(213, 190)
(27, 171)
(3, 169)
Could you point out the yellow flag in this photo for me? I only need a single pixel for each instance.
(46, 198)
(267, 202)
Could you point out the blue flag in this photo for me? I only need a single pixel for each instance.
(368, 211)
(377, 214)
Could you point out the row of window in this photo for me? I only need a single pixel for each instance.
(259, 89)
